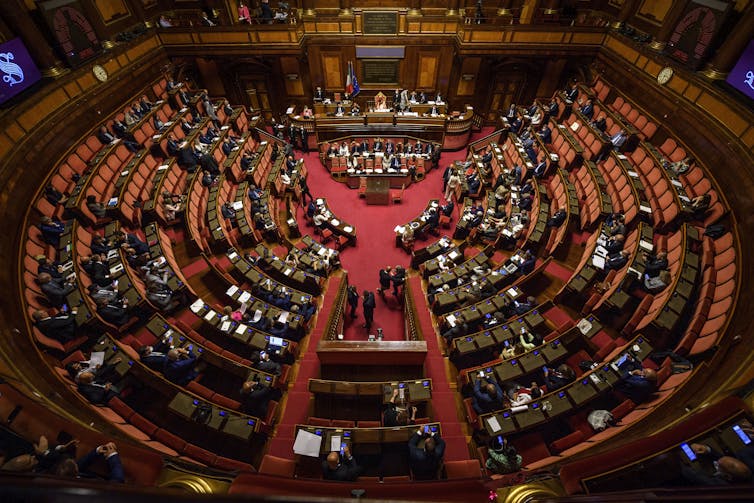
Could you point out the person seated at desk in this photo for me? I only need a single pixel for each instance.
(488, 396)
(502, 457)
(307, 113)
(600, 124)
(260, 360)
(319, 95)
(637, 383)
(179, 368)
(411, 166)
(341, 466)
(407, 237)
(95, 386)
(425, 462)
(728, 469)
(343, 150)
(655, 264)
(255, 398)
(558, 378)
(587, 109)
(355, 109)
(700, 205)
(398, 416)
(433, 112)
(339, 110)
(395, 164)
(332, 150)
(389, 147)
(379, 145)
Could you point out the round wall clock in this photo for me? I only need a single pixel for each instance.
(665, 75)
(100, 72)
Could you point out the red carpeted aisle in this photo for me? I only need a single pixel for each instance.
(375, 248)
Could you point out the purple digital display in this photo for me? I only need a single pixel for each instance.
(17, 69)
(742, 75)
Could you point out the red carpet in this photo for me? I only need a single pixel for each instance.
(375, 246)
(559, 271)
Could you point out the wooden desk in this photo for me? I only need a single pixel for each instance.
(378, 191)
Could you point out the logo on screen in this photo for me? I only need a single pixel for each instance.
(749, 79)
(14, 74)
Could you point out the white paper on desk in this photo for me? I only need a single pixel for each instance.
(575, 126)
(453, 255)
(163, 167)
(348, 228)
(335, 443)
(244, 297)
(512, 292)
(232, 255)
(451, 319)
(307, 444)
(621, 156)
(209, 315)
(646, 246)
(97, 358)
(322, 251)
(287, 272)
(124, 173)
(225, 327)
(632, 174)
(241, 328)
(237, 205)
(645, 209)
(493, 424)
(684, 198)
(676, 183)
(231, 291)
(257, 316)
(598, 262)
(197, 305)
(584, 326)
(283, 317)
(507, 233)
(335, 222)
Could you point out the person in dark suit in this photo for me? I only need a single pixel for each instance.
(488, 396)
(155, 357)
(61, 327)
(104, 136)
(180, 366)
(115, 312)
(558, 378)
(353, 300)
(368, 304)
(340, 466)
(557, 219)
(261, 361)
(398, 278)
(55, 290)
(425, 461)
(94, 384)
(319, 95)
(173, 146)
(51, 231)
(654, 264)
(266, 11)
(588, 109)
(637, 383)
(545, 134)
(385, 280)
(109, 453)
(394, 416)
(727, 469)
(617, 261)
(572, 93)
(528, 264)
(45, 265)
(255, 398)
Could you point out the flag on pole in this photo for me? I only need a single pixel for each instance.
(354, 82)
(349, 82)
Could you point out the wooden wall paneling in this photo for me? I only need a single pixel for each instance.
(333, 72)
(210, 75)
(108, 21)
(426, 75)
(469, 68)
(289, 67)
(552, 77)
(654, 10)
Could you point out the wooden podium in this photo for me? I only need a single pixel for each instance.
(378, 190)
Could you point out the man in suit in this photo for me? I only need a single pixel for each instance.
(319, 95)
(545, 134)
(389, 147)
(109, 453)
(727, 469)
(173, 146)
(54, 289)
(51, 231)
(617, 261)
(61, 327)
(94, 384)
(618, 139)
(340, 466)
(572, 93)
(115, 312)
(180, 366)
(255, 398)
(261, 361)
(588, 109)
(637, 383)
(155, 357)
(558, 378)
(425, 461)
(378, 145)
(488, 397)
(353, 299)
(368, 304)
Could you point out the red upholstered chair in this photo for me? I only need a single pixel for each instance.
(144, 424)
(362, 190)
(224, 463)
(396, 478)
(567, 442)
(620, 411)
(465, 469)
(369, 424)
(273, 465)
(172, 441)
(343, 423)
(318, 421)
(199, 454)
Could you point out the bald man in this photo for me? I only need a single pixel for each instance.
(426, 461)
(637, 383)
(727, 469)
(340, 466)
